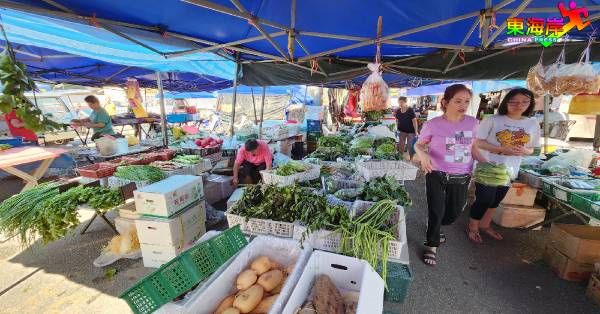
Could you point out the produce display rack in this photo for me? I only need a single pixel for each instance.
(534, 179)
(552, 188)
(270, 177)
(589, 204)
(184, 272)
(398, 169)
(256, 226)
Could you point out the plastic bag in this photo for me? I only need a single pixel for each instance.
(350, 110)
(579, 157)
(535, 79)
(578, 77)
(374, 92)
(380, 131)
(550, 75)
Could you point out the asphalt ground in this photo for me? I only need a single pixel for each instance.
(497, 277)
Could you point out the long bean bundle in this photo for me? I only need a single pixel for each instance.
(366, 235)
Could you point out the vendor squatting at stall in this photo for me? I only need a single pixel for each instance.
(253, 157)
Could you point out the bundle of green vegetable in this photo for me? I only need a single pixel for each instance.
(387, 152)
(43, 211)
(374, 115)
(491, 174)
(5, 147)
(384, 140)
(328, 153)
(290, 168)
(366, 235)
(187, 159)
(362, 145)
(385, 188)
(140, 173)
(332, 141)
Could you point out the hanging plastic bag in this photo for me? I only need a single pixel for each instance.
(535, 78)
(350, 110)
(550, 75)
(578, 77)
(374, 92)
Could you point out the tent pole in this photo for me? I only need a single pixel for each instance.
(262, 112)
(235, 84)
(597, 134)
(455, 54)
(254, 105)
(392, 36)
(219, 46)
(487, 41)
(163, 116)
(546, 132)
(486, 57)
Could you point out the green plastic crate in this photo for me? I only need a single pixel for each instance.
(399, 278)
(585, 203)
(184, 272)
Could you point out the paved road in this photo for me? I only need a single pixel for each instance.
(498, 277)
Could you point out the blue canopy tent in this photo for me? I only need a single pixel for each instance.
(52, 66)
(327, 41)
(185, 95)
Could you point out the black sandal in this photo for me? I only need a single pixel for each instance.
(429, 257)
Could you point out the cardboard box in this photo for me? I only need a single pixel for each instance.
(515, 216)
(579, 242)
(520, 194)
(593, 289)
(169, 196)
(226, 188)
(181, 229)
(565, 267)
(348, 274)
(154, 256)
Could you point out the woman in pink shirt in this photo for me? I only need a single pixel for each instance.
(446, 151)
(252, 158)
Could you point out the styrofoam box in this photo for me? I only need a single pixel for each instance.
(348, 274)
(167, 197)
(180, 229)
(235, 196)
(222, 284)
(156, 255)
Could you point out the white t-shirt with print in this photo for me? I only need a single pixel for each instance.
(502, 131)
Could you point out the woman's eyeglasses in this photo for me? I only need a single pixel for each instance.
(519, 103)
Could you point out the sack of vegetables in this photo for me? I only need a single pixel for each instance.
(491, 174)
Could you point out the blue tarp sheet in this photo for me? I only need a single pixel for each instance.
(59, 67)
(99, 44)
(352, 17)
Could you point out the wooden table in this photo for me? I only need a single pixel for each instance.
(28, 154)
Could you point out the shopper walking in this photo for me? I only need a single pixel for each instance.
(503, 138)
(446, 151)
(407, 125)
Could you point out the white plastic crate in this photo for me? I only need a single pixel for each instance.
(115, 182)
(257, 226)
(398, 169)
(269, 176)
(330, 240)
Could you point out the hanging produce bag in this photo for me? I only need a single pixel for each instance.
(535, 79)
(578, 77)
(374, 92)
(587, 104)
(350, 110)
(550, 75)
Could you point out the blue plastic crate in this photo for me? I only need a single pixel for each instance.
(177, 118)
(14, 142)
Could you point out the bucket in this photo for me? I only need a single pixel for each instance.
(121, 146)
(105, 146)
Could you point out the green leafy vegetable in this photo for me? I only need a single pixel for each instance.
(491, 174)
(387, 152)
(188, 159)
(386, 188)
(290, 168)
(140, 173)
